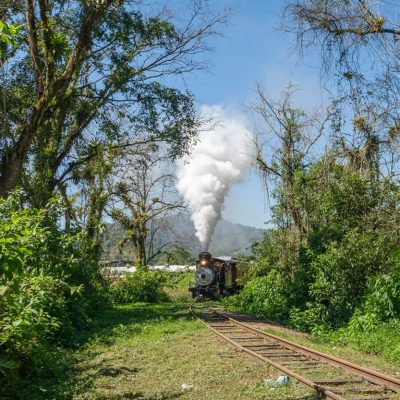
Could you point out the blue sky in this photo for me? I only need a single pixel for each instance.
(252, 51)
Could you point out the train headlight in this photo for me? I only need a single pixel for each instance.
(204, 262)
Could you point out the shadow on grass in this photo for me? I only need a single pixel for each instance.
(124, 320)
(116, 371)
(140, 313)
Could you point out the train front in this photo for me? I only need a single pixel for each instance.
(205, 277)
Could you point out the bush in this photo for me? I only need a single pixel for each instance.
(341, 276)
(34, 307)
(140, 286)
(49, 282)
(367, 334)
(312, 319)
(382, 298)
(265, 297)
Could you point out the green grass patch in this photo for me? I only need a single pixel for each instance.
(152, 352)
(382, 339)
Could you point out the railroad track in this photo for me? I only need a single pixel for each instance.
(330, 376)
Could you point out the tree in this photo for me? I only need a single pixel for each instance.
(177, 255)
(84, 65)
(352, 36)
(146, 194)
(293, 134)
(358, 41)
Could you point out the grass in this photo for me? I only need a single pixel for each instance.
(161, 352)
(154, 352)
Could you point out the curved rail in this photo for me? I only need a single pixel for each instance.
(283, 354)
(366, 373)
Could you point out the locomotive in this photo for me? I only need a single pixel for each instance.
(214, 276)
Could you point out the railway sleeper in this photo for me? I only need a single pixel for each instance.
(223, 326)
(300, 362)
(312, 368)
(280, 360)
(279, 354)
(229, 328)
(356, 390)
(370, 398)
(337, 381)
(246, 338)
(265, 346)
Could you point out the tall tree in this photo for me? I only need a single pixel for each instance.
(289, 134)
(145, 192)
(78, 60)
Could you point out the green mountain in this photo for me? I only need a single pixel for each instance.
(229, 239)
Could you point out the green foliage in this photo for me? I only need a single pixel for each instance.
(344, 269)
(382, 298)
(140, 286)
(8, 35)
(311, 319)
(367, 334)
(49, 282)
(266, 254)
(34, 305)
(341, 273)
(335, 199)
(265, 297)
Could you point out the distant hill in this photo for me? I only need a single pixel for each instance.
(228, 238)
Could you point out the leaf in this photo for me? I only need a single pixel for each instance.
(5, 365)
(3, 290)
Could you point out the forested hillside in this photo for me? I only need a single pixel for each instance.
(178, 231)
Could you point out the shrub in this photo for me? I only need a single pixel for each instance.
(312, 319)
(382, 298)
(264, 297)
(342, 273)
(48, 282)
(34, 306)
(140, 286)
(367, 334)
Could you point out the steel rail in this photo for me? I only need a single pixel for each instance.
(285, 370)
(382, 380)
(371, 375)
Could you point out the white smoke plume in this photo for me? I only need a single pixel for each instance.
(218, 159)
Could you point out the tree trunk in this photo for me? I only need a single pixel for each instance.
(12, 163)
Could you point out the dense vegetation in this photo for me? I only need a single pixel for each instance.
(88, 128)
(89, 132)
(50, 284)
(331, 264)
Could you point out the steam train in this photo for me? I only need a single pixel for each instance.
(215, 277)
